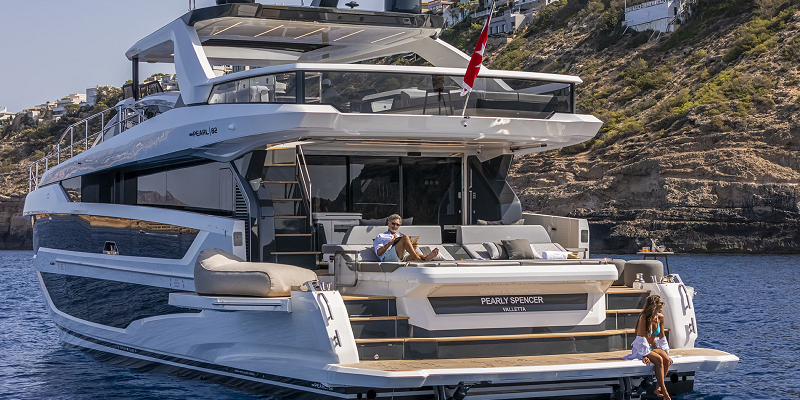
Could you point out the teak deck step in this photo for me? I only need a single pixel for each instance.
(292, 234)
(291, 216)
(296, 252)
(624, 290)
(625, 311)
(279, 165)
(516, 361)
(286, 199)
(389, 318)
(357, 297)
(499, 337)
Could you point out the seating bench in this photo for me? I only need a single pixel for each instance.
(356, 251)
(474, 237)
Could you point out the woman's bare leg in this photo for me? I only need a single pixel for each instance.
(666, 361)
(658, 367)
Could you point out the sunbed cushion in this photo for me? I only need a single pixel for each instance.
(220, 273)
(442, 256)
(477, 251)
(542, 247)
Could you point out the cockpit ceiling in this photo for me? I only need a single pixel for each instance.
(258, 42)
(301, 35)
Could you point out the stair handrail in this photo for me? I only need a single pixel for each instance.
(305, 181)
(131, 115)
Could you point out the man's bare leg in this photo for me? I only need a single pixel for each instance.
(404, 245)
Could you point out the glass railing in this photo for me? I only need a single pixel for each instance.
(402, 93)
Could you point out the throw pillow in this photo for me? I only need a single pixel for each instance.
(502, 250)
(494, 252)
(518, 249)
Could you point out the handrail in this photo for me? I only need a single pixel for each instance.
(130, 117)
(305, 180)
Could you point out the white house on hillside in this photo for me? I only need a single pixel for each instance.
(4, 114)
(657, 15)
(60, 109)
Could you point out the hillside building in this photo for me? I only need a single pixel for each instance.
(60, 109)
(657, 15)
(4, 114)
(509, 22)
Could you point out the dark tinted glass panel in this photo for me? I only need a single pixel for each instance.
(107, 302)
(275, 88)
(200, 187)
(89, 234)
(328, 183)
(73, 188)
(423, 94)
(430, 190)
(375, 186)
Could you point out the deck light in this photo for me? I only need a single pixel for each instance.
(390, 36)
(264, 33)
(217, 33)
(348, 35)
(310, 33)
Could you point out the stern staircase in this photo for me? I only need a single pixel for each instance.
(286, 178)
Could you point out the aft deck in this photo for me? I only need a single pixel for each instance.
(526, 361)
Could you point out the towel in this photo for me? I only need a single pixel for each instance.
(555, 255)
(640, 347)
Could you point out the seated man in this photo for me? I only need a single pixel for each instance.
(392, 246)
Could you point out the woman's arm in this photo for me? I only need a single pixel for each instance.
(640, 328)
(663, 329)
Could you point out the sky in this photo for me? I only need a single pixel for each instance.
(52, 48)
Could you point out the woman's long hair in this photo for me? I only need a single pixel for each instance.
(649, 313)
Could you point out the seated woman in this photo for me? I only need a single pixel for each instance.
(650, 344)
(393, 246)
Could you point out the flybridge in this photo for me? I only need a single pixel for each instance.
(260, 35)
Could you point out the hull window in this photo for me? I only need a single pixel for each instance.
(90, 234)
(105, 302)
(200, 187)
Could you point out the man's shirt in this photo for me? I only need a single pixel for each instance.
(381, 241)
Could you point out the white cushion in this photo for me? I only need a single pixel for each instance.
(491, 248)
(218, 272)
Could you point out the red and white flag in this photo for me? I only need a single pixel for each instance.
(477, 57)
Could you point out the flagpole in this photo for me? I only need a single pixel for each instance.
(486, 27)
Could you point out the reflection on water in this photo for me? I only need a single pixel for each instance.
(746, 305)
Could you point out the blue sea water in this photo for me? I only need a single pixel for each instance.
(746, 305)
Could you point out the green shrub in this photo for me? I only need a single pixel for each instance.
(696, 56)
(759, 35)
(512, 57)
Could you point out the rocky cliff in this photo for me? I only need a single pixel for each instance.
(15, 230)
(699, 150)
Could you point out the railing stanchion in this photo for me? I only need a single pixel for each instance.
(58, 153)
(71, 143)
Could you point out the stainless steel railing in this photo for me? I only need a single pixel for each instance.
(305, 181)
(68, 145)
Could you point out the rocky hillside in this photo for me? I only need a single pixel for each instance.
(699, 149)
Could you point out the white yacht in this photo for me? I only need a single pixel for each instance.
(282, 171)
